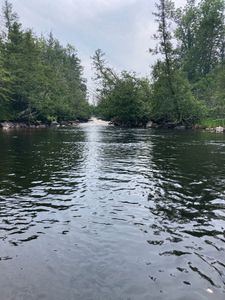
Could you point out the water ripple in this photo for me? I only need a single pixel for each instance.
(118, 214)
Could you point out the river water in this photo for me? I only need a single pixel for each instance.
(97, 212)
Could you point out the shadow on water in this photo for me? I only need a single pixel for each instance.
(189, 204)
(39, 172)
(107, 213)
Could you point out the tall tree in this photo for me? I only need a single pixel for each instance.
(9, 15)
(200, 34)
(122, 98)
(164, 14)
(5, 81)
(46, 79)
(173, 101)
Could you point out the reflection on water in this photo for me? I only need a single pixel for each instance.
(103, 213)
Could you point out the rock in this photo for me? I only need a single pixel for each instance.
(210, 129)
(68, 123)
(149, 124)
(181, 127)
(55, 124)
(115, 122)
(65, 123)
(41, 126)
(155, 125)
(75, 123)
(7, 125)
(19, 125)
(219, 129)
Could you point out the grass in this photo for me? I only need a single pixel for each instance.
(212, 123)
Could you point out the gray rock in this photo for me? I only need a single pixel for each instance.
(210, 129)
(181, 127)
(149, 124)
(55, 124)
(7, 125)
(219, 129)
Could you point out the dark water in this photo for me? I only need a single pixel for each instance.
(103, 213)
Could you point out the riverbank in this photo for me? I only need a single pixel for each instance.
(217, 129)
(7, 125)
(95, 122)
(18, 125)
(98, 122)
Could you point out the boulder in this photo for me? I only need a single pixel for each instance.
(210, 129)
(55, 124)
(41, 126)
(219, 129)
(149, 124)
(7, 125)
(181, 127)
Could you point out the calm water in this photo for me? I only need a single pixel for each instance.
(102, 213)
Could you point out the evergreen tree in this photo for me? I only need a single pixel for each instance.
(173, 101)
(200, 34)
(41, 79)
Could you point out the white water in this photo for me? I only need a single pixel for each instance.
(95, 122)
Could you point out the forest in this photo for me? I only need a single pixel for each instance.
(39, 78)
(187, 83)
(42, 80)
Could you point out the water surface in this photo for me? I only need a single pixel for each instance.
(97, 212)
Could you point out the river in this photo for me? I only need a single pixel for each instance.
(97, 212)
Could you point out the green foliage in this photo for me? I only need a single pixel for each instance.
(178, 106)
(5, 82)
(200, 33)
(188, 81)
(123, 98)
(211, 90)
(40, 79)
(212, 123)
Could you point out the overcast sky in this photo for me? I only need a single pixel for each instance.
(123, 29)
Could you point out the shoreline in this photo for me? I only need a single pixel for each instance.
(10, 125)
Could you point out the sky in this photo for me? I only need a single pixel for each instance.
(122, 29)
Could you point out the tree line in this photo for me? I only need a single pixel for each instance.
(39, 78)
(188, 79)
(42, 80)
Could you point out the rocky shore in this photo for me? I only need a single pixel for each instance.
(219, 129)
(94, 121)
(18, 125)
(153, 125)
